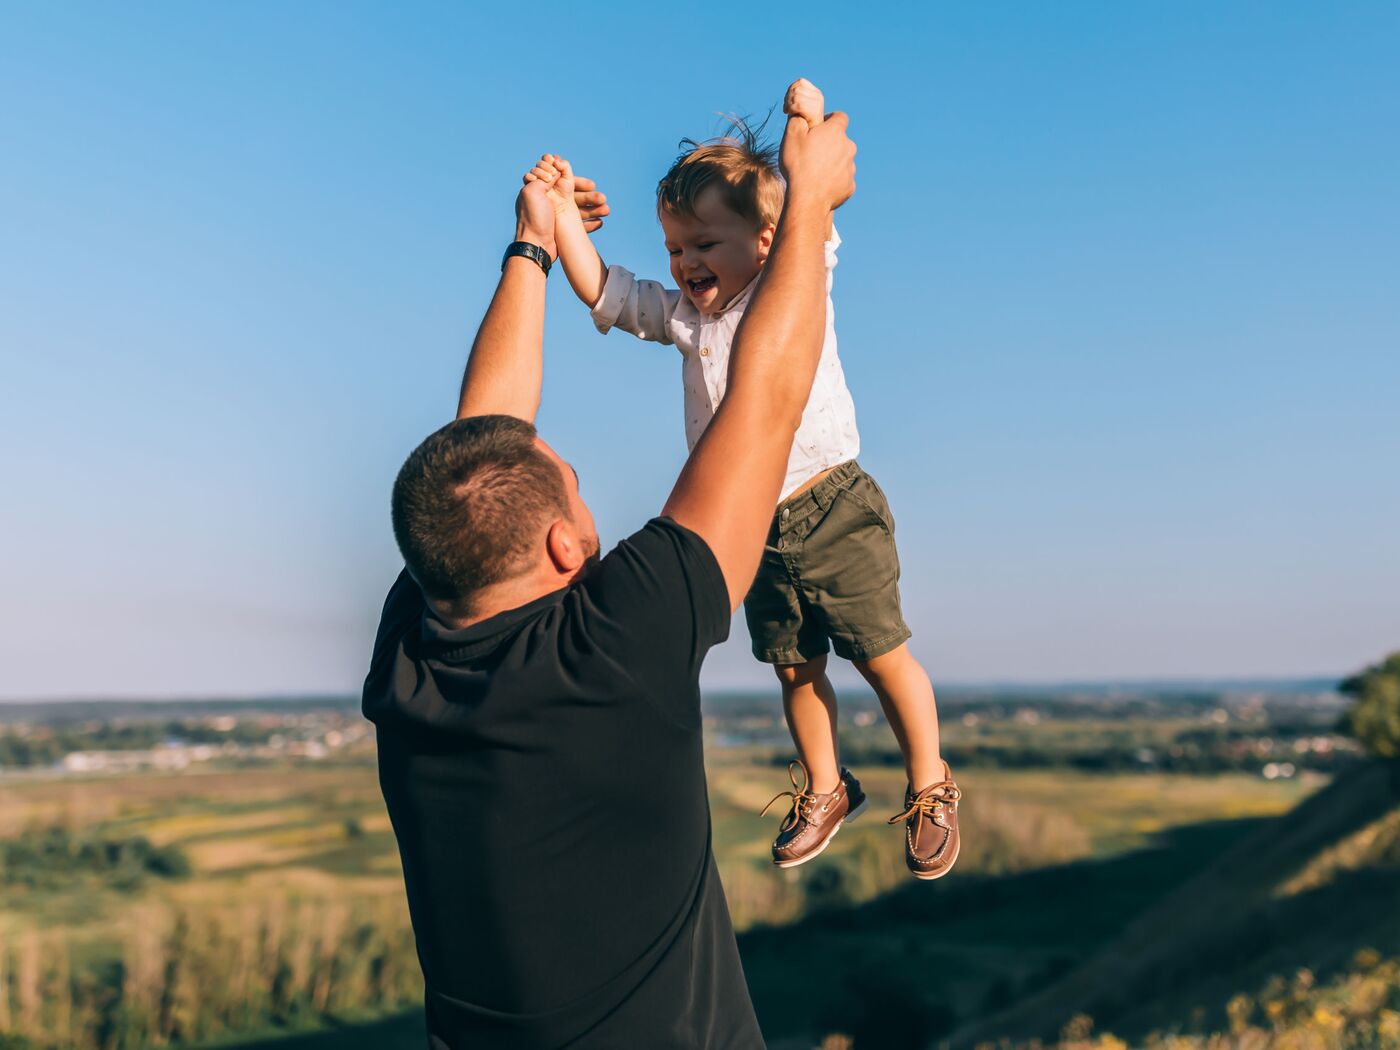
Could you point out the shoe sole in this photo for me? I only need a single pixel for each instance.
(798, 862)
(939, 874)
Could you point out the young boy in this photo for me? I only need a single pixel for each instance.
(830, 570)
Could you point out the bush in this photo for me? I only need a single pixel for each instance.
(190, 975)
(56, 857)
(1374, 720)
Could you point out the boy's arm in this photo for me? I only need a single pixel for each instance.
(612, 293)
(582, 264)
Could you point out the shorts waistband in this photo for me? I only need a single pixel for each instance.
(819, 496)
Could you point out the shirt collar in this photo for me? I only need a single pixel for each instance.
(453, 644)
(738, 300)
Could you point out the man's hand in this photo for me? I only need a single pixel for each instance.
(569, 192)
(819, 162)
(804, 99)
(534, 216)
(578, 209)
(506, 367)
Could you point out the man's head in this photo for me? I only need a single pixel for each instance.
(485, 504)
(719, 206)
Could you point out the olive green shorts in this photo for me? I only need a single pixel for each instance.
(829, 572)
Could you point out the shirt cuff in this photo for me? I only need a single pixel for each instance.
(619, 285)
(829, 247)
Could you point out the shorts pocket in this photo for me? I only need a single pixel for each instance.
(865, 495)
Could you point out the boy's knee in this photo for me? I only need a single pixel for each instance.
(885, 664)
(794, 675)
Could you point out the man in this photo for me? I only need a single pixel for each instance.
(538, 708)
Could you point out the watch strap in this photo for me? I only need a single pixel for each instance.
(529, 251)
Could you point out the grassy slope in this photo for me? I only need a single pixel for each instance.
(914, 952)
(909, 966)
(1303, 890)
(905, 965)
(408, 1031)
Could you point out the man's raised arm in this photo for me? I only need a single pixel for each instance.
(506, 366)
(729, 487)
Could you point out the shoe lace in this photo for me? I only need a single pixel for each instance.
(928, 803)
(802, 799)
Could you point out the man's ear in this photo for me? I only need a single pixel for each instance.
(765, 241)
(565, 550)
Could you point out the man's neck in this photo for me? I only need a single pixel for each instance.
(503, 597)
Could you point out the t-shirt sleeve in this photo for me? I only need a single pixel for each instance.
(403, 612)
(659, 598)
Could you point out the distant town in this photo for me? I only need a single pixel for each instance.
(1273, 729)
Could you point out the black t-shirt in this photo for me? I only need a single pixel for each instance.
(544, 775)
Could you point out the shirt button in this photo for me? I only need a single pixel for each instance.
(785, 514)
(704, 351)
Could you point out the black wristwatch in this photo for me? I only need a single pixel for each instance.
(529, 251)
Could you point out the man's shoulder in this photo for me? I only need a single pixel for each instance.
(403, 606)
(663, 588)
(401, 617)
(662, 545)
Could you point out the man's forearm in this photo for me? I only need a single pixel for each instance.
(582, 264)
(506, 367)
(730, 483)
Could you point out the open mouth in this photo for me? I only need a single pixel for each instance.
(702, 285)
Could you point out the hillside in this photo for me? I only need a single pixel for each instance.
(1304, 890)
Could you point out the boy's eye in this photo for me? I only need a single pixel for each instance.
(707, 245)
(673, 252)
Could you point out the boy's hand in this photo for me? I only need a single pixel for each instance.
(804, 99)
(570, 194)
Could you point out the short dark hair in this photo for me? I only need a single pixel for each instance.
(469, 504)
(739, 162)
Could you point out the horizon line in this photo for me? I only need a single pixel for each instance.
(1172, 682)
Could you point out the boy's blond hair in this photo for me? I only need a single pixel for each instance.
(739, 163)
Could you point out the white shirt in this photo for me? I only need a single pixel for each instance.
(649, 310)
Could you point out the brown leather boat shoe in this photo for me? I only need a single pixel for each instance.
(930, 818)
(814, 819)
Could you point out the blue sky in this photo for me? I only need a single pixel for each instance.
(1117, 302)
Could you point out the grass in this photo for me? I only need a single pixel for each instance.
(285, 857)
(1249, 913)
(958, 947)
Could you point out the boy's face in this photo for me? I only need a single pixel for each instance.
(715, 253)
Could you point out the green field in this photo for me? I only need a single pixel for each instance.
(292, 915)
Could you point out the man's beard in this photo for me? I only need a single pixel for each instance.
(592, 557)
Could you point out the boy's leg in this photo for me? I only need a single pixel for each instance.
(786, 636)
(851, 582)
(930, 816)
(823, 800)
(906, 694)
(809, 701)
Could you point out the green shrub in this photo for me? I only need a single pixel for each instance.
(55, 857)
(1374, 719)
